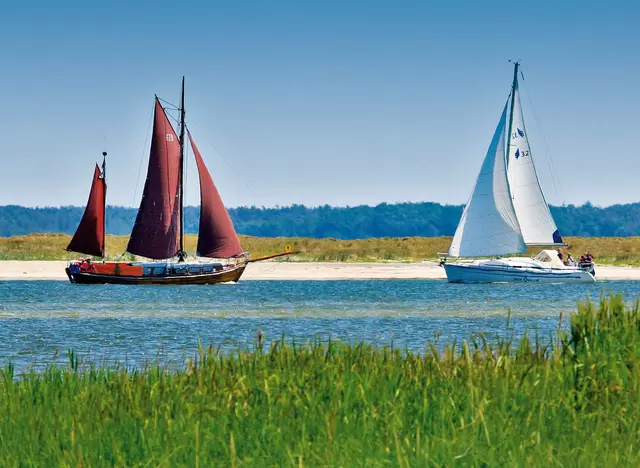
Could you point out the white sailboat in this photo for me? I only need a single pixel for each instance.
(506, 213)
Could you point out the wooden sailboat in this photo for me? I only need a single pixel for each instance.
(158, 232)
(507, 213)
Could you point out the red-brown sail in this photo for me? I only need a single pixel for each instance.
(155, 232)
(216, 237)
(89, 237)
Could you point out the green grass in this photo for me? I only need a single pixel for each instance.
(612, 250)
(516, 403)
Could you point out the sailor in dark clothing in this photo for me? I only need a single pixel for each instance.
(560, 256)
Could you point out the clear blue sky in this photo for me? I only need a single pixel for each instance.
(326, 102)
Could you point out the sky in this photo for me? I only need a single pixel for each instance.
(318, 102)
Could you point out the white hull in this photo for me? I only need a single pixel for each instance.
(505, 271)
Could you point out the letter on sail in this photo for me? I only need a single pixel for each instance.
(536, 222)
(155, 232)
(489, 225)
(216, 238)
(89, 237)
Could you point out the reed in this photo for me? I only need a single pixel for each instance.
(568, 401)
(612, 250)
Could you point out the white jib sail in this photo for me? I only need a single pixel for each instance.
(536, 222)
(489, 225)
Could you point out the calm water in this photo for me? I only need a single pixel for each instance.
(135, 324)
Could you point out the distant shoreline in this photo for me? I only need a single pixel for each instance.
(617, 251)
(408, 219)
(11, 270)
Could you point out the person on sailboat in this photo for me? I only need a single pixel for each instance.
(560, 256)
(592, 270)
(586, 259)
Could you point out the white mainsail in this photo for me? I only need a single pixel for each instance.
(489, 225)
(536, 222)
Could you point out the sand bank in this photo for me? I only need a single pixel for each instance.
(54, 270)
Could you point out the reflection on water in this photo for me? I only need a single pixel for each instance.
(134, 324)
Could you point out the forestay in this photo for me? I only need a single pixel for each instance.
(532, 210)
(489, 225)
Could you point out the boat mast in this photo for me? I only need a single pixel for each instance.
(181, 253)
(513, 96)
(104, 207)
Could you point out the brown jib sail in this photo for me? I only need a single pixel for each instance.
(89, 237)
(216, 236)
(156, 230)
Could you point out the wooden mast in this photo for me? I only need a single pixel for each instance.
(181, 253)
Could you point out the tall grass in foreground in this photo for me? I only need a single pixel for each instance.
(572, 403)
(616, 250)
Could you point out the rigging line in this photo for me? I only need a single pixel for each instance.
(557, 185)
(135, 191)
(507, 138)
(171, 117)
(232, 169)
(104, 151)
(174, 107)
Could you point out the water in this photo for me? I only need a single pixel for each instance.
(41, 320)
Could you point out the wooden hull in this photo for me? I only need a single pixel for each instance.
(230, 274)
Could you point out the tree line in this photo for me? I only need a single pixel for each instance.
(358, 222)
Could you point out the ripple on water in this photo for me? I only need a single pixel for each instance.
(134, 324)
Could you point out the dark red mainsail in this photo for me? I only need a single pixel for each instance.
(89, 237)
(155, 232)
(216, 237)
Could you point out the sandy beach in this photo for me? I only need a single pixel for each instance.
(54, 270)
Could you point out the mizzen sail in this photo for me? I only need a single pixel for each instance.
(536, 222)
(216, 236)
(89, 237)
(489, 225)
(156, 230)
